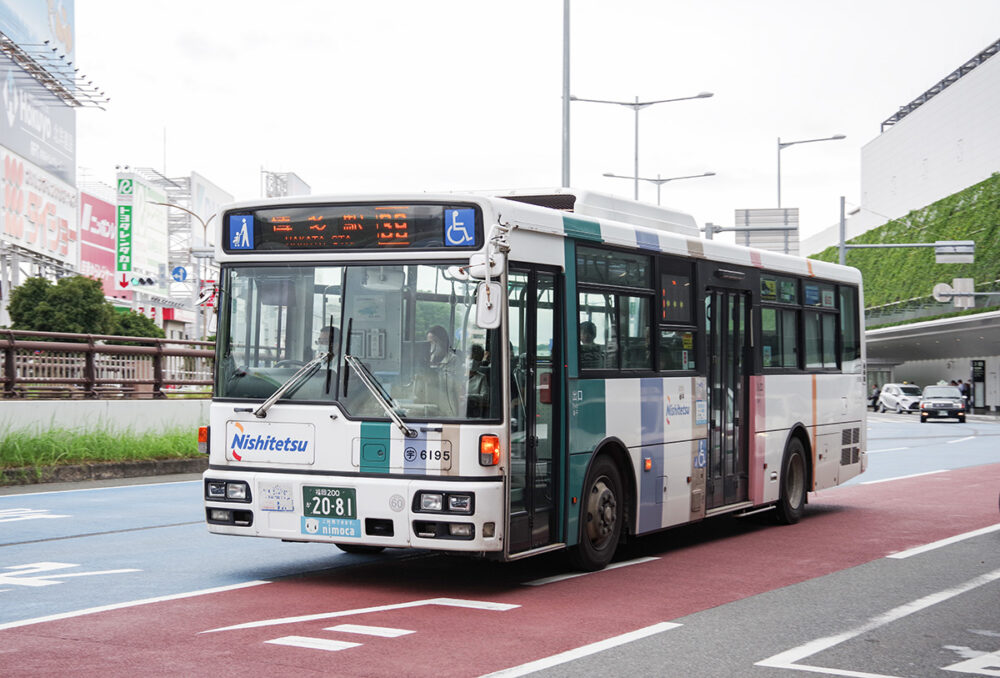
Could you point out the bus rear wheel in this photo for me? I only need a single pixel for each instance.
(601, 517)
(359, 548)
(792, 496)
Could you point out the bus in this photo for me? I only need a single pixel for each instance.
(511, 374)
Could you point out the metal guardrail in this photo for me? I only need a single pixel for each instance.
(59, 365)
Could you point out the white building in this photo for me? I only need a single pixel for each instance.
(945, 140)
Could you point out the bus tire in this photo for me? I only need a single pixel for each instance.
(601, 517)
(359, 548)
(792, 495)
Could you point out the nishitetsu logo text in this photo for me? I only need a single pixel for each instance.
(249, 442)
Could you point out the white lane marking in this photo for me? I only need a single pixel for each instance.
(380, 631)
(99, 489)
(132, 603)
(912, 475)
(11, 515)
(917, 550)
(985, 664)
(574, 575)
(789, 658)
(961, 440)
(313, 643)
(888, 449)
(451, 602)
(20, 573)
(584, 651)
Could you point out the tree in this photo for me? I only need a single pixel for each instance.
(75, 304)
(131, 324)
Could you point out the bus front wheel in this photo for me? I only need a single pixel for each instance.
(792, 496)
(602, 514)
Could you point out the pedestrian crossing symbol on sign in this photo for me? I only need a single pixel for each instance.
(241, 232)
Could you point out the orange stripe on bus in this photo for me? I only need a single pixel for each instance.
(814, 425)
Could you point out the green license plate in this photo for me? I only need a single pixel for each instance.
(330, 502)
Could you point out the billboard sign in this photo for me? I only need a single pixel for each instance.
(32, 23)
(97, 241)
(34, 123)
(38, 211)
(206, 199)
(752, 229)
(142, 236)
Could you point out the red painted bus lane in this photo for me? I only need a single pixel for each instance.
(449, 616)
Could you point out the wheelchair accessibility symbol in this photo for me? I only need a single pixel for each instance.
(460, 227)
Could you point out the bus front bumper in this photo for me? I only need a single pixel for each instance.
(406, 513)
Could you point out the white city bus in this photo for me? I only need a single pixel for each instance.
(507, 376)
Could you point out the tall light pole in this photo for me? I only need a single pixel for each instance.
(199, 254)
(786, 144)
(565, 97)
(638, 106)
(660, 181)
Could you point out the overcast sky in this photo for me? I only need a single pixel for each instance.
(399, 95)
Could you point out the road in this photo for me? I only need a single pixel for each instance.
(121, 580)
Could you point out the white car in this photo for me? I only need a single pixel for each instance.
(900, 398)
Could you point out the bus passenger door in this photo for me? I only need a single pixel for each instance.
(727, 324)
(534, 397)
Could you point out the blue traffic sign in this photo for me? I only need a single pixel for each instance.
(179, 273)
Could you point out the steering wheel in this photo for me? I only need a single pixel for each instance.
(289, 363)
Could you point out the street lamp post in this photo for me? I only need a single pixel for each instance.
(658, 180)
(638, 106)
(197, 255)
(786, 144)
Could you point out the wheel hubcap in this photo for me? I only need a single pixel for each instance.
(602, 513)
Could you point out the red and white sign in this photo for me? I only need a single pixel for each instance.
(37, 210)
(97, 242)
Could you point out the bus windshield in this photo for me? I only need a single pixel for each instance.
(411, 326)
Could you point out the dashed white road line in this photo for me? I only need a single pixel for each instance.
(574, 575)
(917, 550)
(593, 648)
(380, 631)
(912, 475)
(313, 643)
(961, 440)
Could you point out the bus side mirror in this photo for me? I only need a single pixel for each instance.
(488, 305)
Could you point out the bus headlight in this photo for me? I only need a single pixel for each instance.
(430, 501)
(444, 502)
(460, 503)
(227, 490)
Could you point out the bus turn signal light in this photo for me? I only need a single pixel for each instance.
(489, 450)
(203, 439)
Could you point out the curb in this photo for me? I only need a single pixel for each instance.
(30, 475)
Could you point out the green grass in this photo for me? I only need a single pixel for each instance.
(59, 447)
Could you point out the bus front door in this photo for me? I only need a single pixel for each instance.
(534, 398)
(727, 318)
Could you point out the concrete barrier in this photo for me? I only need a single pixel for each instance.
(137, 416)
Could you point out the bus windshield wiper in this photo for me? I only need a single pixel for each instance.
(304, 372)
(383, 398)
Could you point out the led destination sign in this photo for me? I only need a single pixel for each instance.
(346, 227)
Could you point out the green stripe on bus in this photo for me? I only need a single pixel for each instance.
(582, 229)
(375, 446)
(587, 427)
